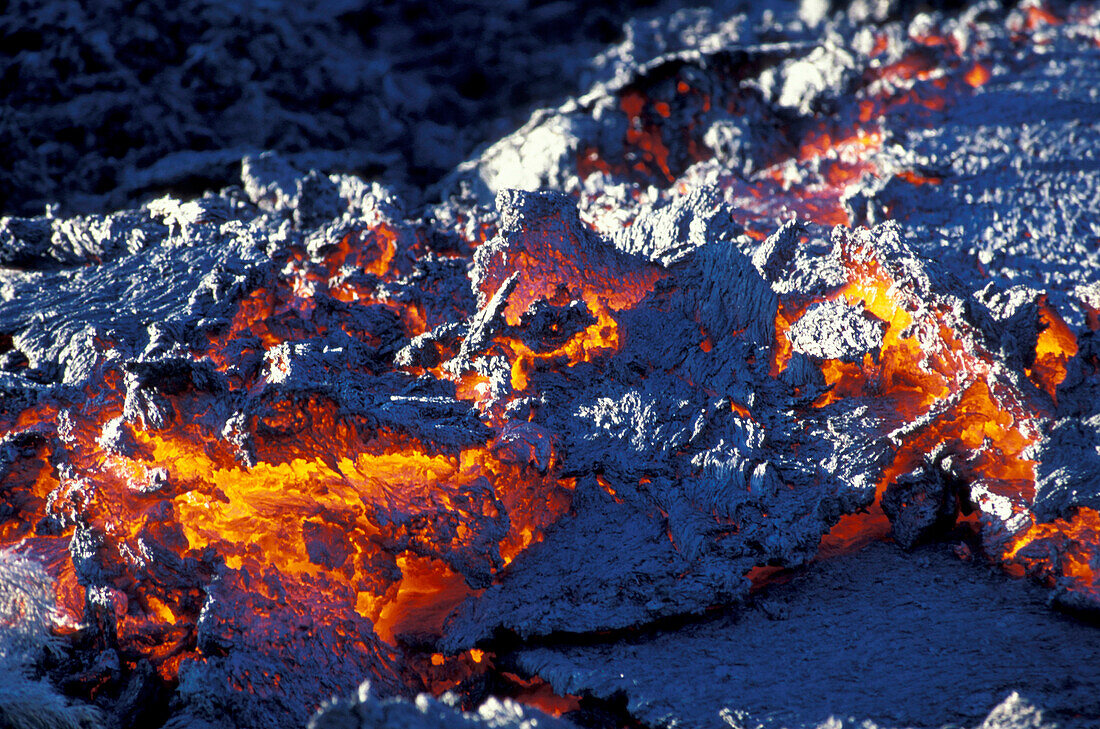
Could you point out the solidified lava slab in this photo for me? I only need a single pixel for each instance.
(779, 285)
(903, 639)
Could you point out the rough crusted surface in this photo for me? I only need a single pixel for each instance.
(1018, 167)
(1069, 473)
(836, 331)
(920, 640)
(666, 467)
(684, 541)
(1011, 163)
(108, 104)
(315, 666)
(692, 455)
(197, 260)
(566, 586)
(27, 615)
(366, 711)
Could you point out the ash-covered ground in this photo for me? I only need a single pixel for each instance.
(752, 382)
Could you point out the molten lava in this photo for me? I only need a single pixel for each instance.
(324, 503)
(353, 439)
(952, 397)
(1055, 347)
(1065, 552)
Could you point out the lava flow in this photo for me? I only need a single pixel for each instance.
(739, 308)
(234, 458)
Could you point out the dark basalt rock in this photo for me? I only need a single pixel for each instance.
(823, 640)
(921, 504)
(632, 318)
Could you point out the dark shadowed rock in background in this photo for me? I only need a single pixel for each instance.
(111, 102)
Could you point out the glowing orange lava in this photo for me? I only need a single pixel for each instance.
(557, 267)
(1066, 550)
(949, 396)
(978, 75)
(327, 504)
(1056, 346)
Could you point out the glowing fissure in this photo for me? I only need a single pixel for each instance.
(939, 376)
